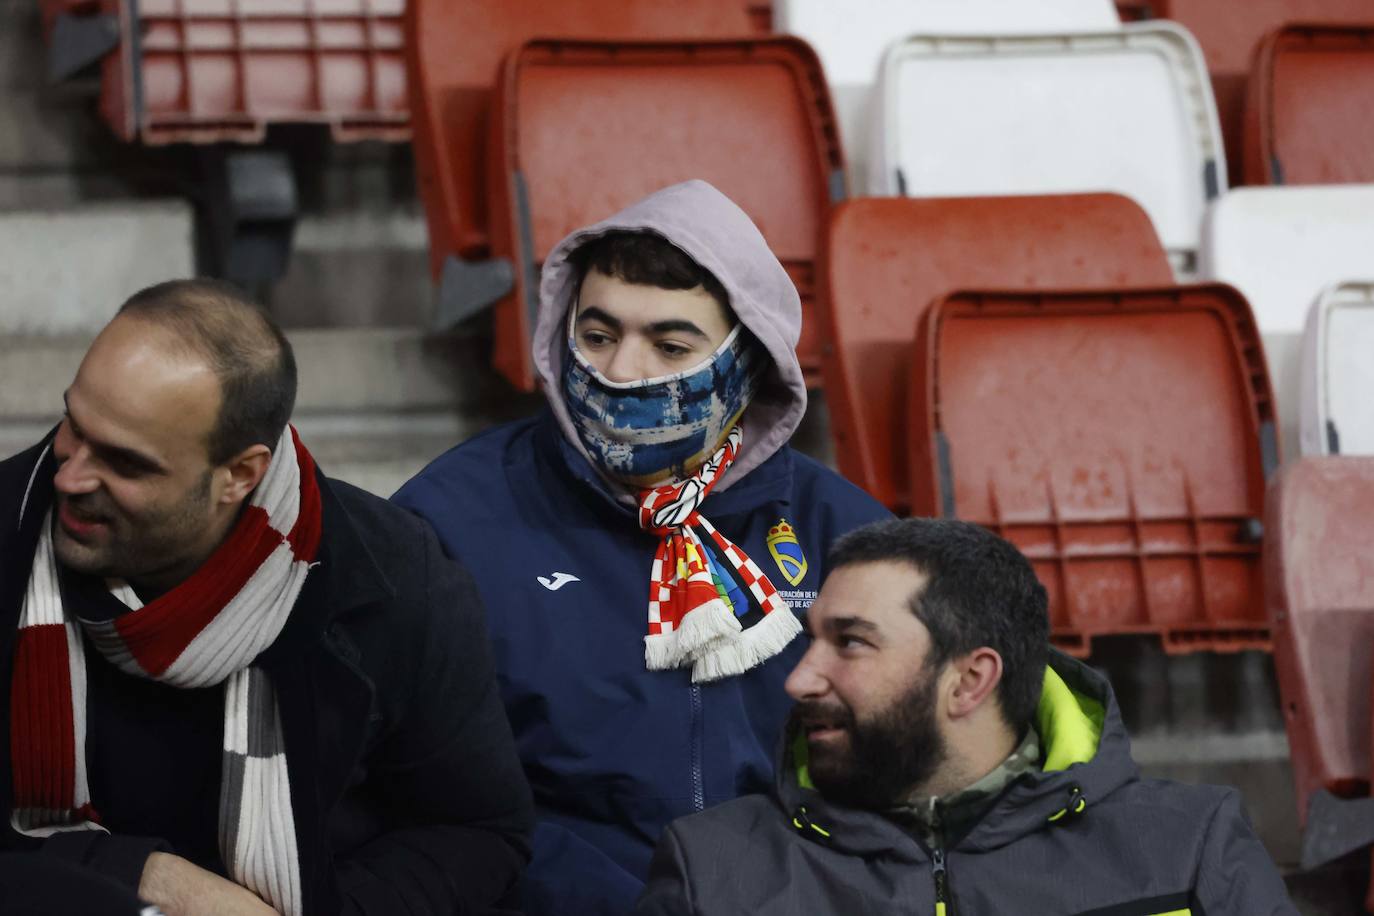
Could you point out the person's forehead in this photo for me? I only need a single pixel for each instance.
(138, 388)
(879, 593)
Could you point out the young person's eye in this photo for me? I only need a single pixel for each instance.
(673, 350)
(852, 642)
(595, 339)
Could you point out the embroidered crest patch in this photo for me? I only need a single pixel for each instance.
(787, 552)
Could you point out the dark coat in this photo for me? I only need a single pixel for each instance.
(613, 751)
(406, 789)
(1086, 835)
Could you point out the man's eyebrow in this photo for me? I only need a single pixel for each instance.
(844, 624)
(677, 326)
(123, 454)
(592, 313)
(667, 326)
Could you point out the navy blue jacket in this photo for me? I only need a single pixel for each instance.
(613, 751)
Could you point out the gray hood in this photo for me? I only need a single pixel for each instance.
(719, 236)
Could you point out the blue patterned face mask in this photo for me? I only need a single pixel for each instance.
(659, 429)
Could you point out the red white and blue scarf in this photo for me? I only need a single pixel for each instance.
(698, 613)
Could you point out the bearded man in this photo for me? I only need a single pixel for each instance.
(942, 758)
(236, 686)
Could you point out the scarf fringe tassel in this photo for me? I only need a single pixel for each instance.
(749, 648)
(712, 622)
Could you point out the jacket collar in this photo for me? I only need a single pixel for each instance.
(1086, 758)
(949, 817)
(345, 577)
(25, 493)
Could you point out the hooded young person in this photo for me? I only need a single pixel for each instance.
(647, 545)
(943, 759)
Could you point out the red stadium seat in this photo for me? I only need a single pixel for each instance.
(456, 48)
(887, 259)
(583, 129)
(1309, 115)
(1120, 438)
(1319, 587)
(1230, 31)
(208, 71)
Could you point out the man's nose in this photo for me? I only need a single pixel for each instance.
(807, 680)
(627, 364)
(75, 475)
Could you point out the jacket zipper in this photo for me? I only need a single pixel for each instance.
(698, 789)
(937, 871)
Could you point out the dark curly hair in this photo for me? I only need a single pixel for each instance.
(979, 591)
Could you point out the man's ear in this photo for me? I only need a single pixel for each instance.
(979, 672)
(246, 470)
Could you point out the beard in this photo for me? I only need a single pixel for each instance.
(881, 758)
(131, 545)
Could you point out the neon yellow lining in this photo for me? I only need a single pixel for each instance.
(1069, 723)
(801, 756)
(1176, 913)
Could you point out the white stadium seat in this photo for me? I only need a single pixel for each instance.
(1281, 246)
(1337, 372)
(851, 38)
(1127, 110)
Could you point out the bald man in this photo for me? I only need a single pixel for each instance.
(236, 686)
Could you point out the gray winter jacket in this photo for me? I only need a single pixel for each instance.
(1085, 835)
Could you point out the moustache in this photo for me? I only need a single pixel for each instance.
(811, 714)
(87, 507)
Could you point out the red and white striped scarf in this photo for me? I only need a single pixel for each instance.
(690, 615)
(206, 631)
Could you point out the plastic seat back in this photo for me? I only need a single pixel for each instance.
(207, 71)
(1127, 110)
(1229, 33)
(455, 53)
(1121, 439)
(1281, 246)
(1319, 587)
(1310, 107)
(587, 128)
(887, 259)
(1338, 372)
(851, 37)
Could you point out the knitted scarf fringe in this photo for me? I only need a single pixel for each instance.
(752, 647)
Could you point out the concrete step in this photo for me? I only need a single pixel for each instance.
(340, 369)
(66, 271)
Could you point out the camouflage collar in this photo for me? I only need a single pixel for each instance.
(937, 820)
